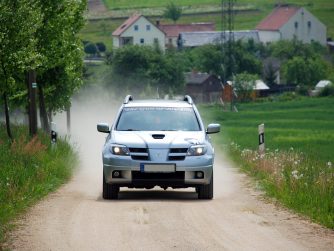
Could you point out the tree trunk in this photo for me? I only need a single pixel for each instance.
(9, 132)
(68, 118)
(42, 111)
(32, 103)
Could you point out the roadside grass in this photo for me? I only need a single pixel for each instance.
(29, 170)
(297, 168)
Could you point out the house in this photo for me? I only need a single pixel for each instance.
(322, 84)
(203, 87)
(288, 22)
(173, 31)
(195, 39)
(138, 30)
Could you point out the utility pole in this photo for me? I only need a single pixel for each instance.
(227, 43)
(32, 93)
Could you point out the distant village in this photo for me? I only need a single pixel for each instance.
(285, 22)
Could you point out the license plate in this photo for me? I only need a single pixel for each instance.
(157, 168)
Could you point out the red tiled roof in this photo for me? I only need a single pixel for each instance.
(173, 30)
(277, 18)
(131, 20)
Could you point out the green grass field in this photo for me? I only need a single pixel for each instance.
(297, 168)
(305, 124)
(100, 31)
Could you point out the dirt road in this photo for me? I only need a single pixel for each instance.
(77, 218)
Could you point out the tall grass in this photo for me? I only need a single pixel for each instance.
(29, 169)
(297, 167)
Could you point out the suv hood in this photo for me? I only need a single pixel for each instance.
(158, 139)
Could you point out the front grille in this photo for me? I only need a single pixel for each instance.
(138, 150)
(178, 150)
(135, 157)
(176, 158)
(139, 153)
(177, 154)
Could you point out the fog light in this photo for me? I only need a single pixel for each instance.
(199, 175)
(116, 174)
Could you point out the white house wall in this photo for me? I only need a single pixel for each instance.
(115, 41)
(148, 36)
(303, 32)
(269, 36)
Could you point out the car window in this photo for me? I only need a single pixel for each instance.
(157, 119)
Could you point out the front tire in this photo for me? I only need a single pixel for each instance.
(205, 192)
(110, 191)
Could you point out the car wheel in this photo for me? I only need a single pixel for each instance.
(110, 191)
(205, 192)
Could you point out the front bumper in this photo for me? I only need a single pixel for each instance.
(131, 174)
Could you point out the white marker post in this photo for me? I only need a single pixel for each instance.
(261, 139)
(53, 133)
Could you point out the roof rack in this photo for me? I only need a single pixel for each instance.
(127, 99)
(188, 99)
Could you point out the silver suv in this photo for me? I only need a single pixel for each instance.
(158, 143)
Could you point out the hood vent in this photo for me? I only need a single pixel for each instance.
(158, 136)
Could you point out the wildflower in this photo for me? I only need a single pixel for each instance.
(296, 162)
(294, 174)
(329, 164)
(291, 148)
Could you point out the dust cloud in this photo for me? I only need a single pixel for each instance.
(89, 107)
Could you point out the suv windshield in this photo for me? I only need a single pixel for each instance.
(158, 119)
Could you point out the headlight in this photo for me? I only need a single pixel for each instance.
(197, 150)
(119, 150)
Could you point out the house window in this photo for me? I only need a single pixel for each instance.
(148, 27)
(170, 41)
(155, 41)
(142, 41)
(309, 24)
(296, 25)
(136, 28)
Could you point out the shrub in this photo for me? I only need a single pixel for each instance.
(101, 46)
(91, 48)
(327, 91)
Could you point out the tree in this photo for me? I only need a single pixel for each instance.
(305, 72)
(134, 67)
(207, 58)
(58, 42)
(244, 84)
(19, 21)
(172, 12)
(270, 75)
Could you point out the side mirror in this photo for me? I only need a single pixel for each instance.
(213, 128)
(103, 127)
